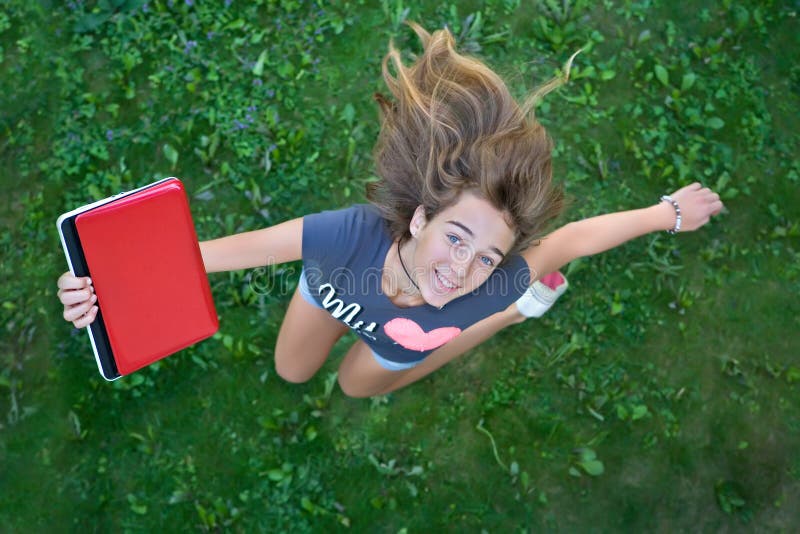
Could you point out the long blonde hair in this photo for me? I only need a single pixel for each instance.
(453, 127)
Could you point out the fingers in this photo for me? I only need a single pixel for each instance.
(78, 297)
(75, 312)
(86, 319)
(70, 281)
(75, 296)
(712, 199)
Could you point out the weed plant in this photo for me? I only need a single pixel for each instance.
(661, 393)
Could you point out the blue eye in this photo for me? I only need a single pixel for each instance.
(453, 239)
(487, 261)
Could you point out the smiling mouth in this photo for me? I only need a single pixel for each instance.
(447, 284)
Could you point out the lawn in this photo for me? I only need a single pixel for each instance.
(661, 393)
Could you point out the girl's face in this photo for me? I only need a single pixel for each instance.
(458, 249)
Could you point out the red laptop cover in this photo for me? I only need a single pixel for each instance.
(148, 274)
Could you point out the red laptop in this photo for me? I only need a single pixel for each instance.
(141, 251)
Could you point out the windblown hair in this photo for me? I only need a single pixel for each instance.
(455, 127)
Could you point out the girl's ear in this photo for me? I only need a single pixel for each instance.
(418, 221)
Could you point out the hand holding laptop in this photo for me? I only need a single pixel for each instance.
(136, 278)
(77, 296)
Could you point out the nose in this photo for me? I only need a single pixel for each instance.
(461, 261)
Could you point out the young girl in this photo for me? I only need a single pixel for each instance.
(447, 253)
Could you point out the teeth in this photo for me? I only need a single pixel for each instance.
(444, 282)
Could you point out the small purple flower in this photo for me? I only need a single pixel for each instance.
(271, 147)
(249, 118)
(270, 93)
(189, 46)
(145, 8)
(210, 35)
(109, 135)
(257, 82)
(238, 125)
(189, 3)
(251, 108)
(228, 3)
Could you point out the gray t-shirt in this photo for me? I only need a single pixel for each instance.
(343, 255)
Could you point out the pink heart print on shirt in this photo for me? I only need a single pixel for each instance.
(410, 335)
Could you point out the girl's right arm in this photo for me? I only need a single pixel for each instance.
(277, 244)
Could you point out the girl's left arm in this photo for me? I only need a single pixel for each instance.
(598, 234)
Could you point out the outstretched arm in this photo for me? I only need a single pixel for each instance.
(277, 244)
(598, 234)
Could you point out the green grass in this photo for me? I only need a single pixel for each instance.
(673, 363)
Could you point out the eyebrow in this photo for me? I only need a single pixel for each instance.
(472, 234)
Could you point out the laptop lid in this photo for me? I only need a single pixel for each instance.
(142, 254)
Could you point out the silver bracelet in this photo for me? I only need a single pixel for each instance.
(677, 228)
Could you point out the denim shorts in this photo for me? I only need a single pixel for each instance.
(305, 292)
